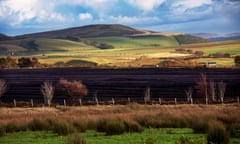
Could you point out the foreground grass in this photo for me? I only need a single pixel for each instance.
(32, 138)
(157, 136)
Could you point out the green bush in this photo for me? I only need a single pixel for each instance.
(149, 141)
(234, 130)
(14, 127)
(111, 126)
(150, 121)
(39, 125)
(63, 128)
(200, 126)
(76, 139)
(133, 126)
(2, 131)
(81, 126)
(217, 133)
(187, 140)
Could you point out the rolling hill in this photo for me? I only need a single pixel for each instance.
(100, 36)
(111, 45)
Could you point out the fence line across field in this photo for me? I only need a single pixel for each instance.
(122, 101)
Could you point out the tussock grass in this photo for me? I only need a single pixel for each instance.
(117, 119)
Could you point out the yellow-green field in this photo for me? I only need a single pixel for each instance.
(127, 51)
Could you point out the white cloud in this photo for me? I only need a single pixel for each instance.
(181, 6)
(145, 5)
(15, 13)
(85, 16)
(133, 20)
(94, 4)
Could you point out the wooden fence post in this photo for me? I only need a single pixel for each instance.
(129, 100)
(80, 102)
(64, 102)
(113, 101)
(14, 103)
(160, 101)
(96, 99)
(32, 102)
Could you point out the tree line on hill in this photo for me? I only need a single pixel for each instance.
(12, 62)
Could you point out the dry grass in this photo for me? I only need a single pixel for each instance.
(162, 114)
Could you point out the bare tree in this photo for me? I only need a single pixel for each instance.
(147, 94)
(3, 87)
(47, 90)
(212, 90)
(189, 92)
(222, 90)
(202, 86)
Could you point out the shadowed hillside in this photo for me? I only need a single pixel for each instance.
(86, 31)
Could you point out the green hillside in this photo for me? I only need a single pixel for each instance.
(138, 42)
(113, 45)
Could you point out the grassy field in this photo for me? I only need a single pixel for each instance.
(138, 42)
(126, 51)
(158, 136)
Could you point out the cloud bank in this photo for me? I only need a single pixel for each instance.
(25, 16)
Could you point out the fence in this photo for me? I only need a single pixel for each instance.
(117, 101)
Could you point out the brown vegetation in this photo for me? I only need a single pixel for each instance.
(74, 89)
(117, 119)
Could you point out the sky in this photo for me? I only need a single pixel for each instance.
(186, 16)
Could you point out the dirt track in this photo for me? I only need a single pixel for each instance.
(24, 84)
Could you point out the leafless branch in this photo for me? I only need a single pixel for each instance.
(3, 87)
(47, 90)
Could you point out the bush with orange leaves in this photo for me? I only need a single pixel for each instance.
(74, 89)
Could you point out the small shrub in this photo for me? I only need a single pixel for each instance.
(187, 140)
(217, 133)
(132, 126)
(15, 127)
(149, 121)
(76, 139)
(149, 141)
(39, 125)
(200, 126)
(178, 123)
(2, 131)
(101, 125)
(74, 89)
(81, 126)
(63, 128)
(111, 126)
(234, 130)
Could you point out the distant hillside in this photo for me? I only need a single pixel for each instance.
(100, 30)
(92, 37)
(3, 37)
(218, 37)
(189, 39)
